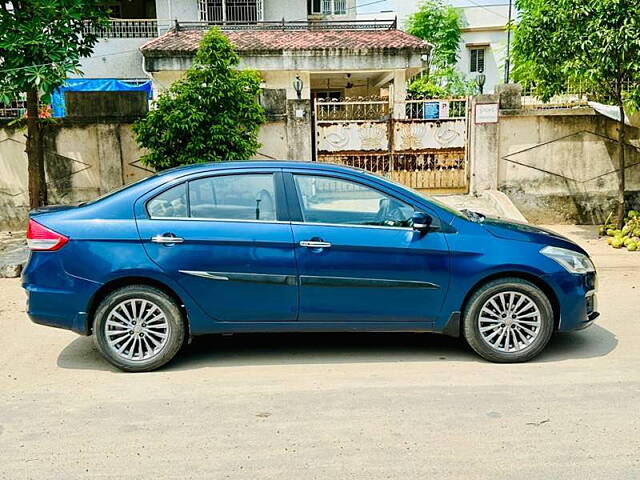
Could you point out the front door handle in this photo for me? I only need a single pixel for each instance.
(167, 239)
(314, 244)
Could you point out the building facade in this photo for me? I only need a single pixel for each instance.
(135, 22)
(483, 44)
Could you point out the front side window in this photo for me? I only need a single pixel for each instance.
(233, 197)
(338, 201)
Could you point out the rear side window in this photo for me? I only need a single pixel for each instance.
(171, 203)
(233, 197)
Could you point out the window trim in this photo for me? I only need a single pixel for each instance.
(297, 217)
(279, 198)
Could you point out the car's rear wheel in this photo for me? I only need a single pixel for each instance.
(508, 320)
(138, 328)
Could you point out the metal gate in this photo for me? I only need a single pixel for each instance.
(426, 149)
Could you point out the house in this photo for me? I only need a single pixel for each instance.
(317, 45)
(483, 44)
(134, 22)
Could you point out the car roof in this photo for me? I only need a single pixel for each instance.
(198, 167)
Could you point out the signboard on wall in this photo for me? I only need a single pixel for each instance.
(486, 113)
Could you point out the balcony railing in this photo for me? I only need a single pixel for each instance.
(151, 28)
(131, 28)
(292, 25)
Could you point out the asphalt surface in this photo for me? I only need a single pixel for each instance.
(365, 406)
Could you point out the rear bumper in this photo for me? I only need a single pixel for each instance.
(42, 304)
(54, 297)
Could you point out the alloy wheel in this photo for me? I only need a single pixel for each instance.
(509, 321)
(136, 329)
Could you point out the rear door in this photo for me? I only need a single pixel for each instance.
(225, 239)
(359, 260)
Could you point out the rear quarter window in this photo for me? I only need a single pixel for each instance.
(171, 203)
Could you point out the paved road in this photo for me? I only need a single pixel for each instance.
(329, 406)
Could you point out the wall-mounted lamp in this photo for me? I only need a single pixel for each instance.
(298, 85)
(481, 78)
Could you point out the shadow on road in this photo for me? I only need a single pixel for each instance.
(316, 348)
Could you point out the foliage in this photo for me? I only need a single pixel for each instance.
(211, 115)
(597, 42)
(445, 82)
(42, 41)
(628, 236)
(593, 42)
(439, 24)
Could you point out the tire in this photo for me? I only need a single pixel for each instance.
(126, 340)
(508, 320)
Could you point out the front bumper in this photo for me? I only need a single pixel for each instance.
(577, 299)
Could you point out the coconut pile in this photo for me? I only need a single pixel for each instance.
(628, 236)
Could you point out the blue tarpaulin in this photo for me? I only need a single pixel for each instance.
(94, 85)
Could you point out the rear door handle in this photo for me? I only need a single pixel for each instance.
(314, 244)
(167, 239)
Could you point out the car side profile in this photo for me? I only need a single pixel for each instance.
(296, 247)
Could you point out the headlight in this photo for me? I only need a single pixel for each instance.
(573, 262)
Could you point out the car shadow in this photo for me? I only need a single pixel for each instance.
(335, 348)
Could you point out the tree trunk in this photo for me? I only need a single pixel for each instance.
(35, 153)
(621, 173)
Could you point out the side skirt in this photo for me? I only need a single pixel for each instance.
(297, 327)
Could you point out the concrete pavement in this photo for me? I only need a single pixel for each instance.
(334, 406)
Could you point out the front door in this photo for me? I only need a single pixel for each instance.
(221, 238)
(358, 258)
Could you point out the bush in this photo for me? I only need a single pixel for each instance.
(211, 115)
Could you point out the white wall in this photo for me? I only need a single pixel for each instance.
(289, 9)
(114, 58)
(183, 10)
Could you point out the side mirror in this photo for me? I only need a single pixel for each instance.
(421, 221)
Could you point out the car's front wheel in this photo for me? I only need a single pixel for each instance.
(138, 328)
(508, 320)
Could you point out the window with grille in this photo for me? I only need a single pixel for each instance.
(231, 10)
(477, 60)
(334, 7)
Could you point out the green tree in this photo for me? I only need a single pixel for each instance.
(211, 115)
(41, 42)
(440, 25)
(594, 42)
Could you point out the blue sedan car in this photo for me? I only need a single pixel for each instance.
(296, 247)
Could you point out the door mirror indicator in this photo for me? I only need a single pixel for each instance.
(421, 221)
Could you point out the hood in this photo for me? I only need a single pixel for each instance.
(524, 232)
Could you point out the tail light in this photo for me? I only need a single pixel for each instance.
(40, 238)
